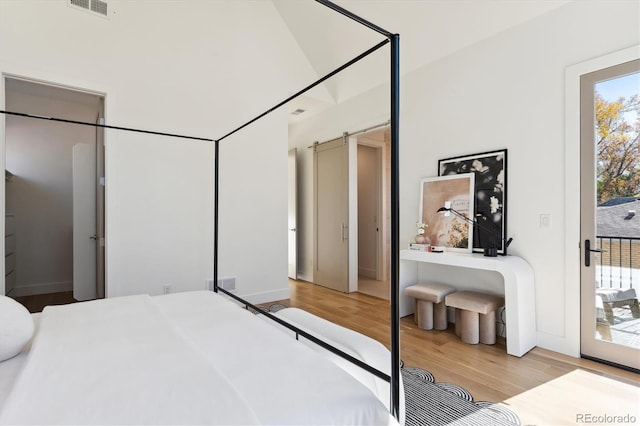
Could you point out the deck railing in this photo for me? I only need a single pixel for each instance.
(619, 265)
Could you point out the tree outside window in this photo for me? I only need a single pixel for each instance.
(617, 132)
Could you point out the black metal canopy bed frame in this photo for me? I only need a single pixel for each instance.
(393, 40)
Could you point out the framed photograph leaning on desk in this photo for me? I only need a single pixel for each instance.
(490, 200)
(447, 230)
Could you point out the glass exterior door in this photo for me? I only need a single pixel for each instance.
(610, 214)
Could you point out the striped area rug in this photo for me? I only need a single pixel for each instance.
(428, 403)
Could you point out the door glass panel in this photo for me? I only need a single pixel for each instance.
(617, 126)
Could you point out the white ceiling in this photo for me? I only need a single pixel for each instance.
(429, 30)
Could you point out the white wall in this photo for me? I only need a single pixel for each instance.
(199, 69)
(504, 92)
(39, 155)
(253, 209)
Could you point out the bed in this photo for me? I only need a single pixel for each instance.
(198, 357)
(187, 358)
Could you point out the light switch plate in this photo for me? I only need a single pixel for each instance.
(545, 220)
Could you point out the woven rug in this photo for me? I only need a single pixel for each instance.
(428, 403)
(433, 404)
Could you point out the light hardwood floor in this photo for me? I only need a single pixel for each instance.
(542, 387)
(374, 287)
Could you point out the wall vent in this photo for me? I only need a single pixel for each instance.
(94, 6)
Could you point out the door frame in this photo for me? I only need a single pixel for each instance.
(570, 342)
(4, 76)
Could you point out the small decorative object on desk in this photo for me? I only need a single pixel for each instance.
(420, 238)
(420, 247)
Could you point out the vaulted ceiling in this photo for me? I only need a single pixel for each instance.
(429, 30)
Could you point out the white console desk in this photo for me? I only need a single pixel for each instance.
(519, 291)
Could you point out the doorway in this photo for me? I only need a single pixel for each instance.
(609, 225)
(55, 193)
(292, 214)
(374, 237)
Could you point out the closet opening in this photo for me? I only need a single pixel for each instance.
(54, 195)
(374, 238)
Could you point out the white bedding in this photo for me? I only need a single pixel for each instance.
(185, 358)
(359, 346)
(9, 369)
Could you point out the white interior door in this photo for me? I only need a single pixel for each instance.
(331, 215)
(84, 222)
(293, 216)
(610, 317)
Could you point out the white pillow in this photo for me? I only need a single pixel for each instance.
(16, 327)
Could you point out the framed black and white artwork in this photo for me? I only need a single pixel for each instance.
(490, 204)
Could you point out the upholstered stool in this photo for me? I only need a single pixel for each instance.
(430, 310)
(475, 316)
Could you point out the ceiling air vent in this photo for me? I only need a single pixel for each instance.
(81, 3)
(94, 6)
(99, 6)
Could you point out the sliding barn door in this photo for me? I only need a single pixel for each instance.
(331, 215)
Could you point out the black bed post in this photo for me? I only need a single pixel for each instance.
(395, 201)
(216, 173)
(395, 226)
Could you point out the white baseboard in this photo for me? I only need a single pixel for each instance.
(42, 288)
(561, 344)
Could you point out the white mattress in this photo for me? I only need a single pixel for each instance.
(185, 358)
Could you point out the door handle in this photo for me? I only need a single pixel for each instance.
(587, 252)
(292, 229)
(93, 237)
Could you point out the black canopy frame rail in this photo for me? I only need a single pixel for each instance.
(394, 40)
